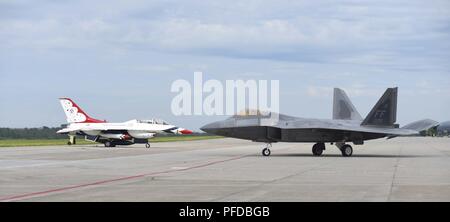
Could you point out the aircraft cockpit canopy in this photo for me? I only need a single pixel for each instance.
(154, 121)
(252, 113)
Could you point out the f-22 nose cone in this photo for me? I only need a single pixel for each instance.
(210, 128)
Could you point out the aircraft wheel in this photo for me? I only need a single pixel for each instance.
(347, 150)
(318, 149)
(69, 143)
(266, 152)
(108, 144)
(147, 145)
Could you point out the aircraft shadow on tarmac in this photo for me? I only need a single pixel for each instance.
(354, 156)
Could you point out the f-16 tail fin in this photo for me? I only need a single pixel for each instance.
(75, 114)
(343, 107)
(384, 113)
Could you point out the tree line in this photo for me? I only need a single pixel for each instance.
(47, 133)
(31, 133)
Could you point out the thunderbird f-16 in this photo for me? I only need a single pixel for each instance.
(112, 134)
(347, 126)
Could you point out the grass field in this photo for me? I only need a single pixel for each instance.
(56, 142)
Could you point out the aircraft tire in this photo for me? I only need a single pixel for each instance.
(69, 143)
(147, 145)
(347, 150)
(108, 144)
(266, 152)
(318, 149)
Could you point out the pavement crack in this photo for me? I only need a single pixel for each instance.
(397, 161)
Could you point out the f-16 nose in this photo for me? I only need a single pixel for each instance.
(186, 132)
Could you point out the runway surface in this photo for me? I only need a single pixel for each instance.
(402, 169)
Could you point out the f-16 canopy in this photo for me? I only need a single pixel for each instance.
(153, 121)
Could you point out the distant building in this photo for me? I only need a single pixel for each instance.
(444, 129)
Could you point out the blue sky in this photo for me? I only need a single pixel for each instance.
(117, 59)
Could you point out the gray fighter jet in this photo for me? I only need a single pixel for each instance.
(346, 126)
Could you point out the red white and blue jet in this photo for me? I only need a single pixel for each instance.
(112, 134)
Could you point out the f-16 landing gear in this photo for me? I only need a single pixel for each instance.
(147, 145)
(266, 151)
(72, 140)
(318, 149)
(109, 144)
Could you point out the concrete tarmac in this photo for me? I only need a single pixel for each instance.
(401, 169)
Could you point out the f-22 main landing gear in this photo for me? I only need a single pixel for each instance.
(266, 151)
(318, 149)
(346, 149)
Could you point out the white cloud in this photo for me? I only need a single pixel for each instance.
(319, 91)
(361, 33)
(354, 90)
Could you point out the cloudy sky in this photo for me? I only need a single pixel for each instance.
(118, 59)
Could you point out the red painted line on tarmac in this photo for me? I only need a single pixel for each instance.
(43, 193)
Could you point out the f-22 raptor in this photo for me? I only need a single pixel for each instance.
(347, 126)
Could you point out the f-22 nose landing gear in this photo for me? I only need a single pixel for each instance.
(266, 151)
